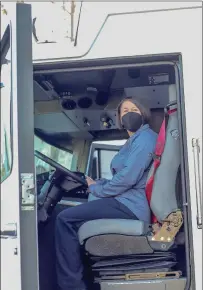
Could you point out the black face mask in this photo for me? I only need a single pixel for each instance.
(132, 121)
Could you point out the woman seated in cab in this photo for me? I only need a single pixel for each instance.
(122, 197)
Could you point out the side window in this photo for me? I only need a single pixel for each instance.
(5, 99)
(105, 158)
(101, 156)
(62, 157)
(101, 163)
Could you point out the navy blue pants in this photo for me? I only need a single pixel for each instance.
(68, 251)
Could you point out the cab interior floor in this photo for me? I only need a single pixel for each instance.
(99, 269)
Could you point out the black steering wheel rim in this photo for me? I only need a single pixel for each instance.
(59, 167)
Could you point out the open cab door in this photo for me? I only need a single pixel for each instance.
(19, 262)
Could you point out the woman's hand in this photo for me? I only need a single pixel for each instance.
(90, 181)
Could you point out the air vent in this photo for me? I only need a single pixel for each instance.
(68, 104)
(85, 103)
(134, 73)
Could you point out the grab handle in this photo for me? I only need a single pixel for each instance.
(9, 231)
(196, 157)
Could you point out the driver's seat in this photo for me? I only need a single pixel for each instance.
(139, 246)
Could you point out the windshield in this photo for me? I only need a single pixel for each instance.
(62, 157)
(5, 99)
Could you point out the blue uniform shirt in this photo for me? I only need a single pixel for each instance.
(130, 169)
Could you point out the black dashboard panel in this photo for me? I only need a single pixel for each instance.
(67, 185)
(106, 79)
(92, 120)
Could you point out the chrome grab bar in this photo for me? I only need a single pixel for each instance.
(198, 186)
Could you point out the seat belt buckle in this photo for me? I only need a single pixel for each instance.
(156, 157)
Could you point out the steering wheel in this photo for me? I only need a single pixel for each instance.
(60, 168)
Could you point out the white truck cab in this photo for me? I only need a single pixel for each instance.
(59, 113)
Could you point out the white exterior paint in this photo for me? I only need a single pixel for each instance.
(139, 34)
(93, 17)
(158, 33)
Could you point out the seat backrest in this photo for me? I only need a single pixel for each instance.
(163, 199)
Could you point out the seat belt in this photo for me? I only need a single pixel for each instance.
(159, 149)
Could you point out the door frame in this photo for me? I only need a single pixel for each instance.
(190, 227)
(23, 142)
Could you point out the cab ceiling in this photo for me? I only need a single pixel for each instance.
(75, 103)
(102, 80)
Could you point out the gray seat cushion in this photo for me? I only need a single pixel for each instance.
(112, 226)
(112, 245)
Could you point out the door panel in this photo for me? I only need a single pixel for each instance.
(10, 237)
(19, 199)
(192, 62)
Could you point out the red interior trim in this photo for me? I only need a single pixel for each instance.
(172, 111)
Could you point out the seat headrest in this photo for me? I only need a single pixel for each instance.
(157, 116)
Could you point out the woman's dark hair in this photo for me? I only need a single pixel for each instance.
(144, 109)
